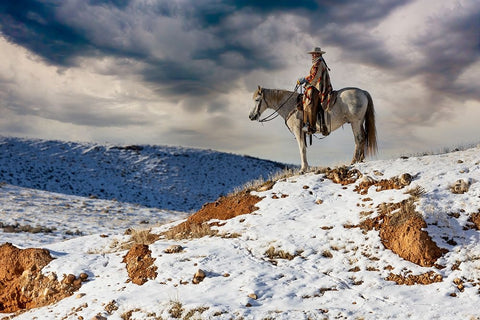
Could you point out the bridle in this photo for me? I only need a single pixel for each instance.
(272, 116)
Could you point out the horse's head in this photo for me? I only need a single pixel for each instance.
(259, 107)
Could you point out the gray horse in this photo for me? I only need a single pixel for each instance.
(353, 105)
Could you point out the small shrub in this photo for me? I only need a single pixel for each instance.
(191, 314)
(189, 231)
(137, 236)
(416, 192)
(273, 253)
(176, 310)
(327, 254)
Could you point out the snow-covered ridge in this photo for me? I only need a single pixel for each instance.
(173, 178)
(335, 270)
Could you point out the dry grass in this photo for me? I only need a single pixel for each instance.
(143, 236)
(327, 254)
(273, 254)
(16, 228)
(189, 231)
(407, 211)
(258, 184)
(416, 192)
(176, 310)
(139, 236)
(194, 313)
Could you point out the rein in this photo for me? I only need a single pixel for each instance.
(271, 116)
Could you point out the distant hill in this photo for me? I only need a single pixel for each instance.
(173, 178)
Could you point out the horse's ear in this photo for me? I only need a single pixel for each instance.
(259, 88)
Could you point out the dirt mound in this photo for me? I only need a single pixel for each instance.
(401, 231)
(23, 286)
(226, 208)
(223, 209)
(140, 265)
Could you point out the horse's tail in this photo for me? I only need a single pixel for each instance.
(370, 128)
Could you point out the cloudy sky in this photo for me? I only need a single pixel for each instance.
(178, 72)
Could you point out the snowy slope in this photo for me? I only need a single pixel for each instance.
(338, 272)
(34, 218)
(171, 178)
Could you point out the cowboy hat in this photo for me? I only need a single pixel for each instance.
(316, 50)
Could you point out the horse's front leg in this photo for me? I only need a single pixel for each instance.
(295, 126)
(303, 150)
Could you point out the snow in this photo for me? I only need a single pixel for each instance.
(337, 272)
(172, 178)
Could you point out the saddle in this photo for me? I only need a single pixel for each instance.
(322, 110)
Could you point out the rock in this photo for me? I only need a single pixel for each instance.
(405, 179)
(198, 276)
(253, 296)
(460, 187)
(69, 279)
(111, 307)
(83, 276)
(52, 276)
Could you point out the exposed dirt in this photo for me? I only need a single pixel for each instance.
(223, 209)
(409, 280)
(385, 184)
(344, 176)
(400, 228)
(23, 286)
(403, 234)
(474, 220)
(140, 265)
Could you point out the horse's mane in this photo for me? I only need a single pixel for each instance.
(276, 95)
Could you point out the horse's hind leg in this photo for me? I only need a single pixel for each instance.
(359, 135)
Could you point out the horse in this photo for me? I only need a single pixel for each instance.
(352, 105)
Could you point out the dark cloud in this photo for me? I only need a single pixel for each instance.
(363, 11)
(450, 49)
(117, 3)
(202, 47)
(34, 25)
(348, 25)
(60, 31)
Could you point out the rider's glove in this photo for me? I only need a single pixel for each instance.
(301, 81)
